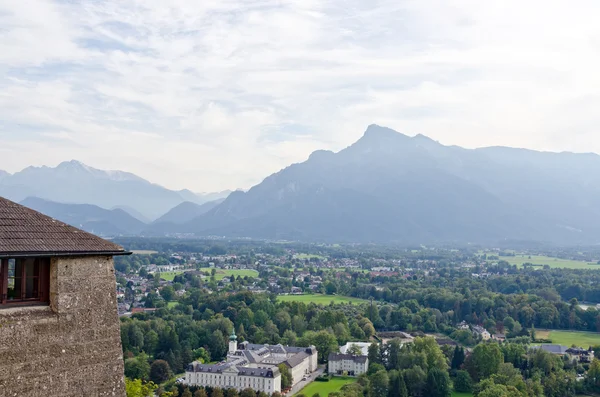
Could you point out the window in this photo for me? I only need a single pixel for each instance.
(24, 281)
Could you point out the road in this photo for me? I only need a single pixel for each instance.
(309, 379)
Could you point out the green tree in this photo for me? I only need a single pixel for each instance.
(393, 354)
(138, 367)
(433, 352)
(136, 388)
(355, 350)
(592, 379)
(438, 383)
(463, 382)
(232, 392)
(202, 355)
(484, 361)
(160, 371)
(330, 288)
(167, 293)
(248, 392)
(374, 353)
(200, 393)
(217, 392)
(324, 341)
(415, 379)
(186, 393)
(286, 376)
(369, 330)
(151, 342)
(458, 357)
(397, 385)
(379, 384)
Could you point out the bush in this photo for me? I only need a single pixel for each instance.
(322, 379)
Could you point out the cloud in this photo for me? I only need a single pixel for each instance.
(218, 94)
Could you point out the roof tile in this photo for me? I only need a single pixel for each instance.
(23, 230)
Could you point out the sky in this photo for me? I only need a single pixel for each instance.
(218, 94)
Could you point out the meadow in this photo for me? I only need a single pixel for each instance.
(541, 260)
(569, 338)
(221, 274)
(324, 388)
(169, 276)
(320, 299)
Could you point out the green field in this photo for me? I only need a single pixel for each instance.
(221, 274)
(324, 388)
(546, 260)
(143, 252)
(320, 299)
(172, 304)
(169, 276)
(569, 338)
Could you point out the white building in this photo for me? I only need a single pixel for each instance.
(254, 366)
(347, 364)
(364, 347)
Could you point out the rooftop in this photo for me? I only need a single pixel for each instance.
(25, 232)
(340, 357)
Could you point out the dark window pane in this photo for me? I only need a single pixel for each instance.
(14, 279)
(31, 278)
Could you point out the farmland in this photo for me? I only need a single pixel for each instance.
(320, 299)
(569, 338)
(324, 388)
(541, 260)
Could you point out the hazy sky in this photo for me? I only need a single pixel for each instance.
(217, 94)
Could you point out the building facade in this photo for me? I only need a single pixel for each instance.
(59, 329)
(347, 364)
(254, 366)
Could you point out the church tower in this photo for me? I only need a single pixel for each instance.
(232, 342)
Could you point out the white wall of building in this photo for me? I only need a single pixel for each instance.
(347, 366)
(232, 380)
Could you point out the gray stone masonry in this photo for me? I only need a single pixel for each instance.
(71, 348)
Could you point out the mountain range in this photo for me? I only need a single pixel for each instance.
(388, 187)
(385, 188)
(73, 182)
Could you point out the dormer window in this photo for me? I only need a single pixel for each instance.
(24, 281)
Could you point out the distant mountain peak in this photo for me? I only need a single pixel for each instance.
(320, 154)
(378, 131)
(425, 140)
(74, 165)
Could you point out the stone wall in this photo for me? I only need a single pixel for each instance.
(71, 347)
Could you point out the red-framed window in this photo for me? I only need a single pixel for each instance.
(24, 281)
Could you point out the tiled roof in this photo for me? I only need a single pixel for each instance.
(349, 357)
(24, 231)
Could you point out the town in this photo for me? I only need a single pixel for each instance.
(353, 307)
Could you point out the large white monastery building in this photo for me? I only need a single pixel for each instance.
(253, 366)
